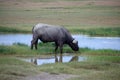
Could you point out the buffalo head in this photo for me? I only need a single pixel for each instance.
(74, 45)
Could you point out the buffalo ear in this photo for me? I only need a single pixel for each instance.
(74, 41)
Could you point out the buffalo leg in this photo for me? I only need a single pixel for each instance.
(56, 47)
(34, 42)
(61, 50)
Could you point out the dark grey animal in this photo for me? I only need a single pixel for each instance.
(50, 33)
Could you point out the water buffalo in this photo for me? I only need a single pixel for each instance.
(51, 33)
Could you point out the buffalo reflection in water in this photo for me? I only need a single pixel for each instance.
(56, 60)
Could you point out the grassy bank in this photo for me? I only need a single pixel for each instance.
(97, 31)
(14, 69)
(100, 64)
(91, 17)
(92, 31)
(86, 70)
(12, 30)
(48, 48)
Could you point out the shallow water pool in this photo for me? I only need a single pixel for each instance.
(52, 59)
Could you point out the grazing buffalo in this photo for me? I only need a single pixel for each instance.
(50, 33)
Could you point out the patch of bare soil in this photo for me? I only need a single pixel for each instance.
(48, 76)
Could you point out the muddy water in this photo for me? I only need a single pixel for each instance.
(83, 40)
(52, 59)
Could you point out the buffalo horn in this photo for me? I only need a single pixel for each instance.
(74, 41)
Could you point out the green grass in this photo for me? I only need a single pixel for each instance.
(105, 52)
(48, 48)
(92, 31)
(98, 31)
(100, 64)
(22, 49)
(102, 58)
(12, 30)
(14, 69)
(88, 70)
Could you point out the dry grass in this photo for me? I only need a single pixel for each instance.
(79, 14)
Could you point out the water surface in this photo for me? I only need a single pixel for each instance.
(83, 40)
(65, 59)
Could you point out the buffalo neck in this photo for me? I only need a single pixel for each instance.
(69, 39)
